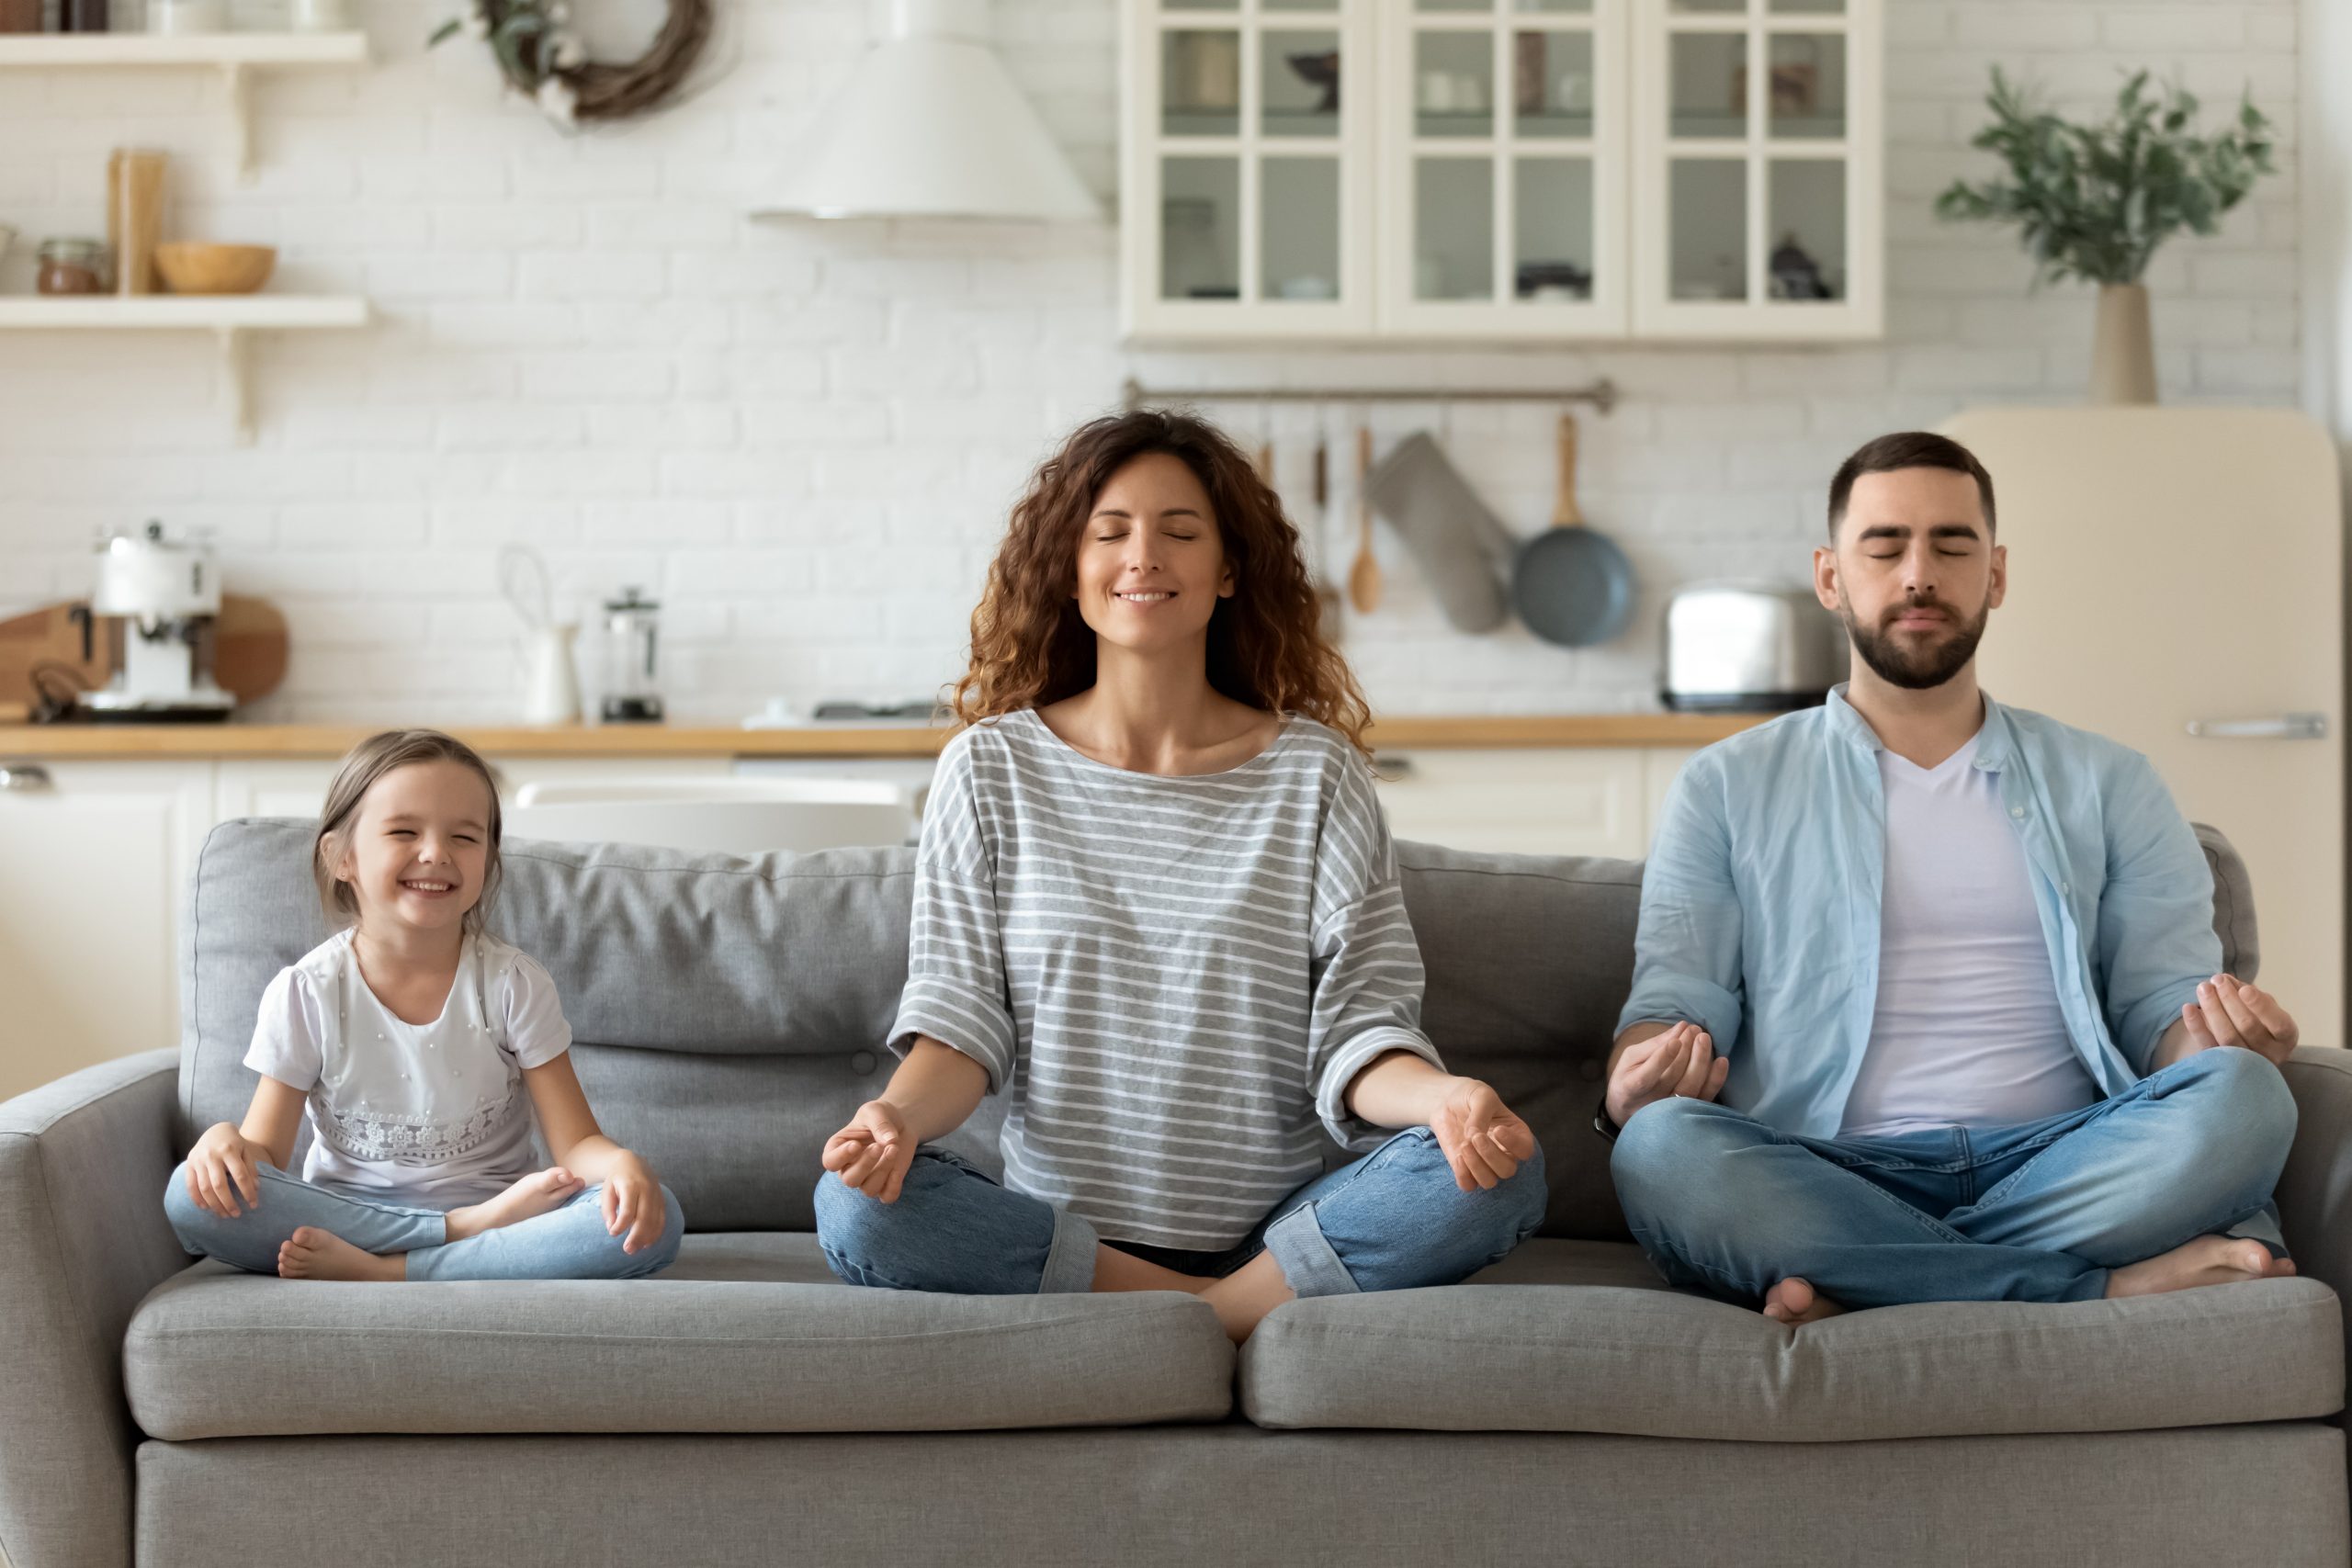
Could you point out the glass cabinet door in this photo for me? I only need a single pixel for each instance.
(1247, 160)
(1502, 168)
(1755, 206)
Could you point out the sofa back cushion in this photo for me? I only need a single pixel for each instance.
(729, 1012)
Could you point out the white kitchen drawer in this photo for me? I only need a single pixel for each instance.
(1589, 801)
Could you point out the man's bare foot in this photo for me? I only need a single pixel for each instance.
(2208, 1261)
(1795, 1302)
(536, 1194)
(314, 1253)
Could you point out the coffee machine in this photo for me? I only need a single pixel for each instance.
(163, 598)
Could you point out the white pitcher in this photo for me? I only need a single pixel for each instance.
(550, 686)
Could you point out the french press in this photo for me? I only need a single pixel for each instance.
(633, 695)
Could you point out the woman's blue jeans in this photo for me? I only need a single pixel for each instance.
(2035, 1213)
(1394, 1220)
(569, 1243)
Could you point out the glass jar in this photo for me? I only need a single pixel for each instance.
(71, 267)
(632, 688)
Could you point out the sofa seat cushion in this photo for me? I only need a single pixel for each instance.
(1583, 1336)
(745, 1333)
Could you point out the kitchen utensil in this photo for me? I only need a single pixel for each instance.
(550, 688)
(1572, 584)
(1318, 544)
(193, 267)
(1363, 576)
(632, 693)
(1461, 548)
(134, 216)
(522, 579)
(1749, 648)
(7, 235)
(249, 647)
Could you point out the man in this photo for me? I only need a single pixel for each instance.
(1925, 1003)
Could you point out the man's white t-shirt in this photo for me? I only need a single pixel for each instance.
(427, 1115)
(1968, 1031)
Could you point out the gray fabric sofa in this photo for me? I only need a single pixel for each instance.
(745, 1409)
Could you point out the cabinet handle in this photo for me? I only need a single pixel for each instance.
(24, 778)
(2286, 727)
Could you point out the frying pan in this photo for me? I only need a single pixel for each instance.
(1571, 584)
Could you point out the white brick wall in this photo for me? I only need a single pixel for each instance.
(804, 438)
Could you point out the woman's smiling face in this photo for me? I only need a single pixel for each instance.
(1151, 563)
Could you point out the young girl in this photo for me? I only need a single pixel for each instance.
(1156, 905)
(409, 1037)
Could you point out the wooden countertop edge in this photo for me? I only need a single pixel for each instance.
(264, 740)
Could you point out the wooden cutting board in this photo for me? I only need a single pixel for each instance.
(249, 651)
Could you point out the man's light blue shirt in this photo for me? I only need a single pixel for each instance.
(1760, 903)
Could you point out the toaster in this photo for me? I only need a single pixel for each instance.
(1749, 648)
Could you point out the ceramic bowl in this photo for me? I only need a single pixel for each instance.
(192, 267)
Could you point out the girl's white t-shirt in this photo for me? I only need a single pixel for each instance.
(430, 1115)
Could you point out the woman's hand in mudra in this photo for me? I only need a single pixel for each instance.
(1483, 1139)
(873, 1152)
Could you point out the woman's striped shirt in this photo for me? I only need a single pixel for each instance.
(1174, 978)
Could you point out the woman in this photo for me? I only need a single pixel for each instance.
(1156, 904)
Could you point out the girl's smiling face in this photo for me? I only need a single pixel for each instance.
(1151, 563)
(417, 851)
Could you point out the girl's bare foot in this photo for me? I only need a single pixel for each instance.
(314, 1253)
(1795, 1302)
(2208, 1261)
(536, 1194)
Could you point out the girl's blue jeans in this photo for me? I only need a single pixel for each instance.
(2039, 1212)
(569, 1243)
(1394, 1220)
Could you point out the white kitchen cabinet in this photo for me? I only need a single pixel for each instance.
(1246, 169)
(1757, 205)
(297, 787)
(1502, 170)
(94, 861)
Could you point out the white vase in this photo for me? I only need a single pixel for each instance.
(550, 686)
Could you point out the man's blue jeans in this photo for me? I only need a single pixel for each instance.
(1394, 1220)
(569, 1243)
(2036, 1212)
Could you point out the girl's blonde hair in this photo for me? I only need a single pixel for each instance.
(370, 761)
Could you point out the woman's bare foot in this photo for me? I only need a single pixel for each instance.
(1117, 1270)
(1795, 1302)
(538, 1193)
(2208, 1261)
(1243, 1298)
(314, 1253)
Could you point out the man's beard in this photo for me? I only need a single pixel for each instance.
(1924, 665)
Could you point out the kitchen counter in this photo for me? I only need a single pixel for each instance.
(248, 741)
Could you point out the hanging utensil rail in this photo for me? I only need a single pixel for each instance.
(1602, 394)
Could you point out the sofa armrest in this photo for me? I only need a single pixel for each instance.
(2315, 1190)
(83, 1164)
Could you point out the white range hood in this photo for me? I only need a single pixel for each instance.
(931, 126)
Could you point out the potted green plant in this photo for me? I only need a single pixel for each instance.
(2095, 201)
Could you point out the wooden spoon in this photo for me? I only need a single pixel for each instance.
(1363, 576)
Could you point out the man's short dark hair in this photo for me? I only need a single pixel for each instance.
(1908, 449)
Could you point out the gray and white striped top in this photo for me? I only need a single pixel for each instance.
(1174, 979)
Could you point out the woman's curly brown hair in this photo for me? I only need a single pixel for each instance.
(1031, 646)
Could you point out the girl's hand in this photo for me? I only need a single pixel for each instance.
(222, 1166)
(873, 1152)
(1483, 1140)
(633, 1204)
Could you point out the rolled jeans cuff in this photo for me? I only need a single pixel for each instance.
(1070, 1261)
(1304, 1255)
